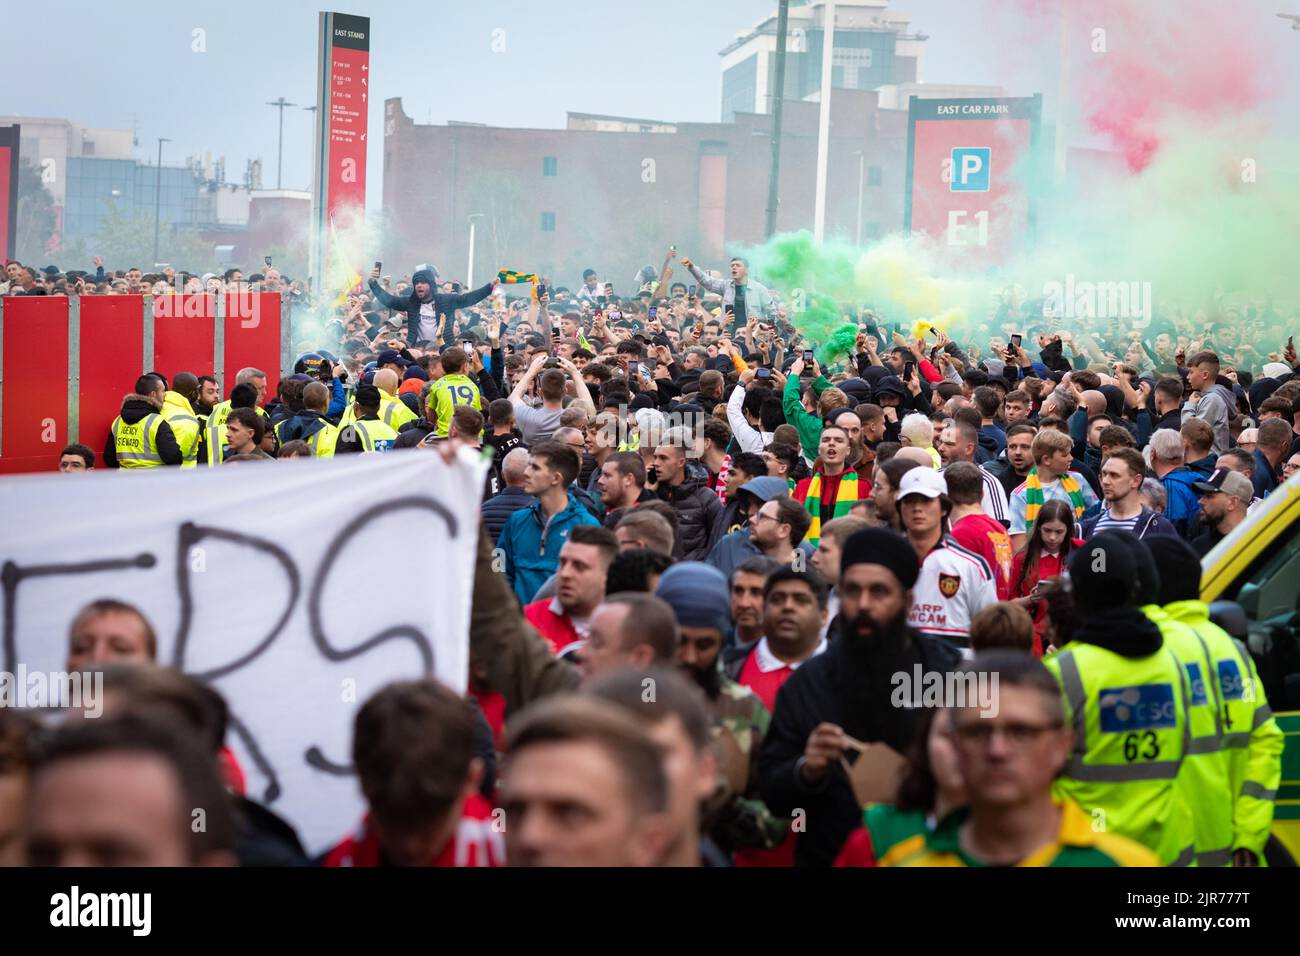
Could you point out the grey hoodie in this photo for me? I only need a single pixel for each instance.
(1215, 406)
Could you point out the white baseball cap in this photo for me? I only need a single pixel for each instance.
(922, 481)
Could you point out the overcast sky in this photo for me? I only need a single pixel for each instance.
(129, 62)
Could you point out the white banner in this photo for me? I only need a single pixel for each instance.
(295, 588)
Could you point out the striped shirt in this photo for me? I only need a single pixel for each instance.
(1105, 522)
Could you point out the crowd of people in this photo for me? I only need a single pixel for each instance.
(687, 493)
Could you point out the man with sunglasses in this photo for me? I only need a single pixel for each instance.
(1008, 755)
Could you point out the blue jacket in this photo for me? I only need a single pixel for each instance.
(531, 545)
(1184, 504)
(1265, 479)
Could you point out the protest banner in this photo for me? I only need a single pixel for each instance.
(296, 589)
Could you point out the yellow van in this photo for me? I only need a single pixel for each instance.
(1251, 579)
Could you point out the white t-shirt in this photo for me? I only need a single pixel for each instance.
(428, 322)
(955, 585)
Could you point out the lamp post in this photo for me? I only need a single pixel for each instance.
(469, 270)
(824, 119)
(157, 195)
(279, 163)
(862, 160)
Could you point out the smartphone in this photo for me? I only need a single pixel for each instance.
(653, 312)
(807, 356)
(763, 373)
(691, 292)
(871, 328)
(643, 370)
(1016, 339)
(908, 371)
(467, 345)
(652, 475)
(266, 259)
(541, 290)
(379, 266)
(555, 331)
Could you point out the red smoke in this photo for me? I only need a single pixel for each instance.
(1191, 60)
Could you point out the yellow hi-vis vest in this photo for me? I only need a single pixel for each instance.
(1204, 777)
(185, 426)
(375, 435)
(323, 441)
(1252, 740)
(1131, 735)
(216, 430)
(392, 412)
(136, 446)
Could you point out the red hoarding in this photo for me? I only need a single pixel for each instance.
(968, 160)
(111, 358)
(34, 363)
(183, 334)
(252, 338)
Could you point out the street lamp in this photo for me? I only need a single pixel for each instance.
(279, 163)
(862, 159)
(469, 271)
(157, 195)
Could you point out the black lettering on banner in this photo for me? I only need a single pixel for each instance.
(13, 575)
(314, 756)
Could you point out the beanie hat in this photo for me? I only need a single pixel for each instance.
(1103, 573)
(1180, 577)
(414, 371)
(885, 547)
(698, 594)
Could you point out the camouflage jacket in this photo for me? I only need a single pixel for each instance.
(735, 816)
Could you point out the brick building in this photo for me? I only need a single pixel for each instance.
(613, 192)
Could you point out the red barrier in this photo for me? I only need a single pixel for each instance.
(34, 415)
(252, 335)
(183, 334)
(112, 358)
(109, 334)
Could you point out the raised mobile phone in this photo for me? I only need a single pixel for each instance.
(807, 356)
(379, 266)
(555, 331)
(691, 291)
(764, 373)
(652, 475)
(908, 371)
(1016, 339)
(266, 259)
(654, 311)
(541, 290)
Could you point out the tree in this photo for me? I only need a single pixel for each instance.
(127, 241)
(35, 239)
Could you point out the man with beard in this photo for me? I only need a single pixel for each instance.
(1225, 498)
(697, 593)
(845, 692)
(1011, 468)
(426, 308)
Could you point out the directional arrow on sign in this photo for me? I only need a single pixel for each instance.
(363, 137)
(364, 67)
(363, 97)
(363, 81)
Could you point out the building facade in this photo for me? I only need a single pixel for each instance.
(612, 193)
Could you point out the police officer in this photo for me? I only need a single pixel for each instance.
(368, 432)
(1252, 740)
(140, 437)
(1126, 697)
(1203, 778)
(392, 410)
(179, 412)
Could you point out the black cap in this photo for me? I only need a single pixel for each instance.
(885, 547)
(368, 396)
(391, 357)
(51, 270)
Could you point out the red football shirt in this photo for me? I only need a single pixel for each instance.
(987, 538)
(476, 842)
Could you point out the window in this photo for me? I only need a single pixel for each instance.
(549, 164)
(873, 175)
(548, 222)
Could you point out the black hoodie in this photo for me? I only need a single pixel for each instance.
(136, 408)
